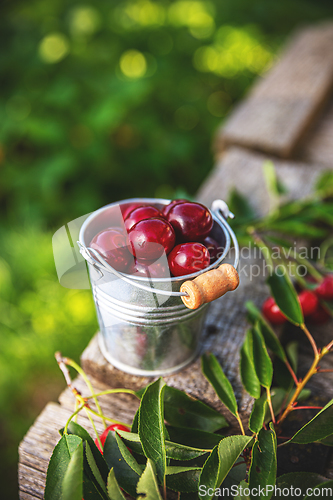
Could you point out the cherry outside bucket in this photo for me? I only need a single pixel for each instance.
(145, 329)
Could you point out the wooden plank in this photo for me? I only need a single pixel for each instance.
(281, 107)
(318, 144)
(243, 169)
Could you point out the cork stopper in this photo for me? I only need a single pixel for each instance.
(209, 286)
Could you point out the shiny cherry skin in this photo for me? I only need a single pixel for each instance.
(272, 312)
(191, 221)
(113, 246)
(308, 301)
(149, 238)
(141, 213)
(325, 290)
(151, 269)
(112, 427)
(167, 208)
(127, 208)
(188, 258)
(214, 249)
(319, 316)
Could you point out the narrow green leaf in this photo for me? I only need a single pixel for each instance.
(135, 423)
(72, 485)
(194, 437)
(271, 340)
(173, 450)
(286, 297)
(114, 490)
(151, 426)
(258, 413)
(213, 372)
(58, 464)
(320, 427)
(147, 486)
(127, 474)
(182, 410)
(183, 479)
(77, 430)
(262, 362)
(219, 463)
(94, 468)
(263, 465)
(247, 370)
(296, 481)
(322, 490)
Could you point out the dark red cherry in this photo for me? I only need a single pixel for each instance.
(188, 258)
(149, 238)
(214, 249)
(191, 221)
(319, 316)
(151, 269)
(325, 289)
(272, 312)
(308, 301)
(141, 213)
(127, 208)
(113, 246)
(167, 208)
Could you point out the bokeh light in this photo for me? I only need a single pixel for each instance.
(133, 64)
(53, 48)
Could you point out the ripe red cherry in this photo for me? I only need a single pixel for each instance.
(325, 289)
(141, 213)
(319, 316)
(191, 221)
(113, 246)
(152, 269)
(272, 312)
(308, 301)
(188, 258)
(167, 208)
(214, 249)
(127, 208)
(112, 427)
(149, 238)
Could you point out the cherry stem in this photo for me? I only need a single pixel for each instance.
(112, 391)
(325, 370)
(310, 338)
(307, 408)
(292, 373)
(329, 346)
(269, 401)
(240, 424)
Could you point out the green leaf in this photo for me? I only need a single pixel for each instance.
(77, 430)
(147, 486)
(240, 207)
(247, 370)
(292, 351)
(286, 297)
(258, 413)
(173, 450)
(135, 423)
(213, 372)
(242, 487)
(126, 469)
(72, 485)
(262, 362)
(297, 481)
(182, 410)
(320, 427)
(194, 437)
(263, 464)
(220, 461)
(58, 465)
(298, 228)
(151, 426)
(183, 479)
(274, 186)
(271, 340)
(326, 491)
(114, 490)
(94, 468)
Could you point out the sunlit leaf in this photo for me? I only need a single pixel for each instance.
(286, 297)
(247, 369)
(114, 490)
(72, 488)
(147, 487)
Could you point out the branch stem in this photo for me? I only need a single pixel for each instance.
(269, 401)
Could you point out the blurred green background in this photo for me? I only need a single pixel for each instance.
(99, 102)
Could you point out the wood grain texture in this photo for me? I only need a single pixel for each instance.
(286, 101)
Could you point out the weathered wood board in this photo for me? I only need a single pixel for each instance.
(285, 102)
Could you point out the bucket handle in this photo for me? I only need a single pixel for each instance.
(221, 210)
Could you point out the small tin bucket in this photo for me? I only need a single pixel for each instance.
(145, 329)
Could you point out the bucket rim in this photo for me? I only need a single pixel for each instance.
(145, 279)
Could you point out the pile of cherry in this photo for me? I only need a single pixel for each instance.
(180, 230)
(310, 301)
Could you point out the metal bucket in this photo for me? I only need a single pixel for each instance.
(145, 329)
